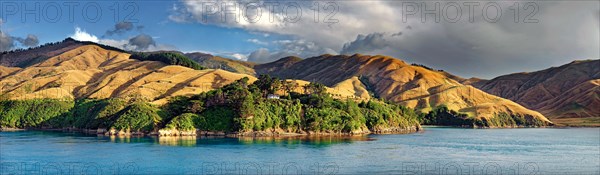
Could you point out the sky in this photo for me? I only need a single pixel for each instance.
(481, 39)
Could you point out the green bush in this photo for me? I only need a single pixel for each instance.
(507, 120)
(167, 58)
(218, 118)
(183, 122)
(138, 116)
(93, 113)
(441, 115)
(382, 115)
(32, 113)
(273, 114)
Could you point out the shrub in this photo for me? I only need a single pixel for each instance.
(183, 122)
(167, 58)
(441, 115)
(138, 116)
(93, 113)
(218, 118)
(32, 113)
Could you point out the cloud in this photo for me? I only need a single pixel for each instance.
(366, 43)
(397, 34)
(300, 48)
(257, 41)
(239, 56)
(120, 28)
(81, 35)
(311, 38)
(350, 18)
(122, 44)
(7, 42)
(179, 14)
(29, 41)
(564, 31)
(141, 42)
(261, 55)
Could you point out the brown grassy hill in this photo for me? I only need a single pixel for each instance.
(394, 80)
(90, 71)
(569, 94)
(280, 65)
(31, 56)
(473, 81)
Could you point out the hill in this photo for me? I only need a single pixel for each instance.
(392, 79)
(91, 71)
(568, 94)
(107, 91)
(27, 57)
(216, 62)
(277, 66)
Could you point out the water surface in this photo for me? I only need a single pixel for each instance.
(433, 151)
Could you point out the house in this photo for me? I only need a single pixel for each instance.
(272, 96)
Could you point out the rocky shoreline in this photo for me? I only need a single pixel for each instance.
(198, 132)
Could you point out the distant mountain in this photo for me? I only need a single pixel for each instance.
(26, 57)
(568, 94)
(277, 66)
(394, 80)
(216, 62)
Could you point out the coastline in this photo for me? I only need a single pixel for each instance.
(201, 133)
(272, 133)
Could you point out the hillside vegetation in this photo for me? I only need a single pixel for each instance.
(413, 86)
(240, 108)
(167, 58)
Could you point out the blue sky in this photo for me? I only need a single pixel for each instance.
(483, 46)
(153, 16)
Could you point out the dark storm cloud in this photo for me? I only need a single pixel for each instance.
(29, 41)
(141, 42)
(397, 34)
(7, 42)
(561, 32)
(122, 27)
(300, 48)
(564, 31)
(366, 43)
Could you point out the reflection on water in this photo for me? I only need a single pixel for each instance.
(188, 141)
(310, 140)
(126, 139)
(192, 141)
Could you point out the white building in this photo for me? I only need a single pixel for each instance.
(272, 96)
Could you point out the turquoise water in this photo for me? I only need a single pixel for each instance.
(433, 151)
